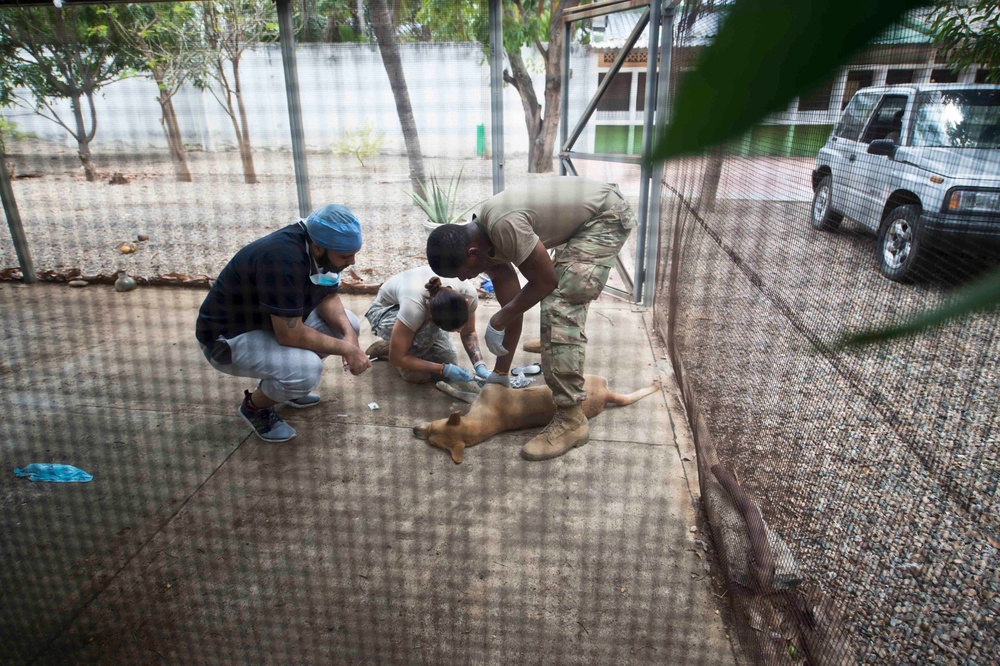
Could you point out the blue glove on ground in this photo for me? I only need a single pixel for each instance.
(482, 371)
(494, 341)
(54, 472)
(456, 374)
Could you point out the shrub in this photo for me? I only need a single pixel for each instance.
(362, 143)
(438, 203)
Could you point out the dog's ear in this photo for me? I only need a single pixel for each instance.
(454, 420)
(456, 452)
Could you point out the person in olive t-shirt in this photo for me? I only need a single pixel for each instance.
(274, 314)
(590, 220)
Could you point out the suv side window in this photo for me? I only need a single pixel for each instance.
(856, 116)
(887, 123)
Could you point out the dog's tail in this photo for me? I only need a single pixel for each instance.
(629, 398)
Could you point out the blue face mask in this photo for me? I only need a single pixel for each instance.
(325, 279)
(320, 278)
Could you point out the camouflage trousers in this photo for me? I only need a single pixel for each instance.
(582, 266)
(429, 343)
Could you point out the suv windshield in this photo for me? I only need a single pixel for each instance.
(957, 119)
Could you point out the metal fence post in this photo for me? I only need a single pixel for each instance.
(287, 39)
(14, 222)
(639, 278)
(666, 40)
(496, 92)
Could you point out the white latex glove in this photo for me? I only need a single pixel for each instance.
(494, 341)
(519, 381)
(502, 380)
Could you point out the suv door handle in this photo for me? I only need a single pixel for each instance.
(852, 157)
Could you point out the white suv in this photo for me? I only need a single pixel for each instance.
(917, 164)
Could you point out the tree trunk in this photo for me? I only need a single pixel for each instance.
(242, 130)
(360, 14)
(175, 141)
(388, 46)
(331, 35)
(710, 183)
(520, 78)
(542, 130)
(553, 91)
(171, 129)
(307, 8)
(83, 139)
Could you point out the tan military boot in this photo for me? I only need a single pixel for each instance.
(378, 349)
(568, 429)
(533, 346)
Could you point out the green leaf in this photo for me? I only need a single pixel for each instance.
(979, 296)
(438, 202)
(766, 53)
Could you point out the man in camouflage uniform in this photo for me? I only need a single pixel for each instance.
(591, 221)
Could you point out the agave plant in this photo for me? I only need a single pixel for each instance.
(438, 202)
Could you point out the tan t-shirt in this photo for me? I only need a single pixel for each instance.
(548, 210)
(407, 290)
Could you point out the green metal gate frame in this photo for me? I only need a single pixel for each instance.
(659, 15)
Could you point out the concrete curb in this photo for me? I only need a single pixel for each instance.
(781, 623)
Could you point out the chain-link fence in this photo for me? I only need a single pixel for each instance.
(875, 464)
(874, 467)
(354, 543)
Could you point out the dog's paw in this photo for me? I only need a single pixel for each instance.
(464, 396)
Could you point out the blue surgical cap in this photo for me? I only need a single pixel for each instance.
(334, 227)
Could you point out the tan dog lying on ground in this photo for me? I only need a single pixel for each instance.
(499, 409)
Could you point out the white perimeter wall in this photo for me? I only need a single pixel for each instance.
(342, 87)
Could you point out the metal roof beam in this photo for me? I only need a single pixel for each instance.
(609, 7)
(602, 9)
(70, 3)
(606, 83)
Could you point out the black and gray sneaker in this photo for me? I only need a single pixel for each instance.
(310, 400)
(265, 422)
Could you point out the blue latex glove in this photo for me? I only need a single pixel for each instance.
(54, 472)
(481, 371)
(502, 380)
(456, 374)
(494, 341)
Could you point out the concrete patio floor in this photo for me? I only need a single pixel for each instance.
(355, 542)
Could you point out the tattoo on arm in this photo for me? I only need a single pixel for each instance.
(472, 348)
(292, 321)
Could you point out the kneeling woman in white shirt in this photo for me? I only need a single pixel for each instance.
(413, 314)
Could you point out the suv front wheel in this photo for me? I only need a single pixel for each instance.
(822, 217)
(900, 248)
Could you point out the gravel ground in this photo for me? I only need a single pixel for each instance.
(879, 466)
(194, 228)
(76, 227)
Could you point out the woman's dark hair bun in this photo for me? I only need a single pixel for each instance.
(449, 310)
